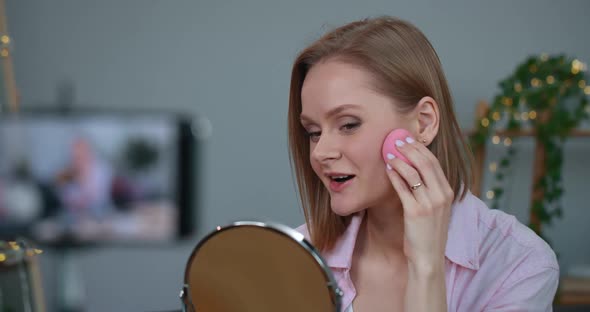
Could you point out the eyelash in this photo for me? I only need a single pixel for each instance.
(348, 127)
(351, 126)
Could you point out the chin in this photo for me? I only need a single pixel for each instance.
(344, 209)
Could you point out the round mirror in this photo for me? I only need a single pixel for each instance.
(254, 266)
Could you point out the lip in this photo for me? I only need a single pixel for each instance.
(338, 186)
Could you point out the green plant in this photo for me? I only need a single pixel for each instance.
(548, 96)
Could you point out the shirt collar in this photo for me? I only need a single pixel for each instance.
(462, 243)
(463, 234)
(340, 257)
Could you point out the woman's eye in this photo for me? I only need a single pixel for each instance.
(314, 136)
(351, 126)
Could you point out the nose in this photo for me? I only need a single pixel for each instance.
(326, 149)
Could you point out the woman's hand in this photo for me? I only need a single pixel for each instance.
(426, 197)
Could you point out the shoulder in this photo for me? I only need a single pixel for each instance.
(510, 265)
(516, 252)
(503, 232)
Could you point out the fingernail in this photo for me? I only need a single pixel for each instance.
(399, 143)
(390, 156)
(389, 167)
(410, 140)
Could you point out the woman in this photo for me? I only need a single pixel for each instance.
(401, 237)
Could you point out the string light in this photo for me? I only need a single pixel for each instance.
(532, 114)
(496, 139)
(485, 122)
(490, 194)
(5, 46)
(545, 88)
(575, 69)
(578, 66)
(493, 167)
(14, 245)
(34, 251)
(11, 251)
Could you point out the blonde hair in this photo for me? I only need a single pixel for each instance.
(406, 68)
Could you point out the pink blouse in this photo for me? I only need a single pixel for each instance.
(493, 262)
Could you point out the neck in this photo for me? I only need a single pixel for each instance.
(382, 232)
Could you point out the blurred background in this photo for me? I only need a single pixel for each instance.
(226, 66)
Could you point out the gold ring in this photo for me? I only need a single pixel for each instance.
(416, 186)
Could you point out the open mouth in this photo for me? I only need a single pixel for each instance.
(341, 179)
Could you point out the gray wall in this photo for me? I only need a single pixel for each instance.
(229, 61)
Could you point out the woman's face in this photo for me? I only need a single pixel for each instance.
(347, 122)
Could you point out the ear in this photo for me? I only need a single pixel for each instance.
(428, 117)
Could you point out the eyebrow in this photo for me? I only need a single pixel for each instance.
(333, 111)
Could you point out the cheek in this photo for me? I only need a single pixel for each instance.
(314, 164)
(368, 153)
(370, 162)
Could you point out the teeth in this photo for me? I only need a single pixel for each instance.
(339, 177)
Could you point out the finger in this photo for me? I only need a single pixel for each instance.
(430, 157)
(430, 169)
(444, 188)
(425, 163)
(401, 187)
(411, 177)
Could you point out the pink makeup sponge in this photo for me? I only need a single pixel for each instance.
(389, 146)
